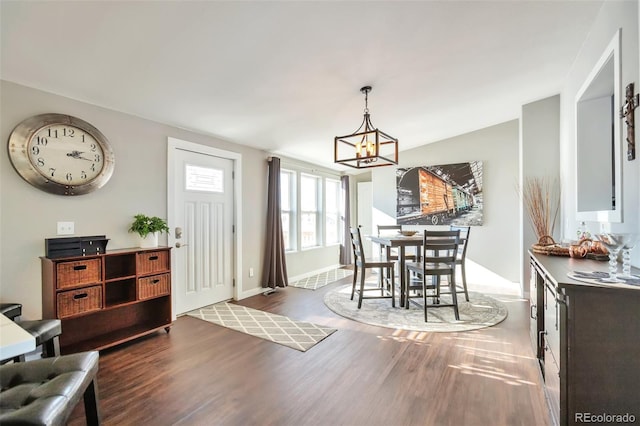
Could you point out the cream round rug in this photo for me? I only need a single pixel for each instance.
(481, 311)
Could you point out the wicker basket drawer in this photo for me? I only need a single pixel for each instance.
(71, 274)
(153, 286)
(74, 302)
(153, 261)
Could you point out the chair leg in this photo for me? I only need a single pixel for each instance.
(454, 295)
(393, 287)
(407, 280)
(91, 408)
(424, 299)
(361, 288)
(381, 280)
(51, 348)
(464, 282)
(355, 280)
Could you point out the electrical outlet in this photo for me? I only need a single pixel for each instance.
(250, 272)
(66, 228)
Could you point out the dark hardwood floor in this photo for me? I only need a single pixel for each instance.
(203, 374)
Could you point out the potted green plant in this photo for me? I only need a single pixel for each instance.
(148, 228)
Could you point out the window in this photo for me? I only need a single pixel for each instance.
(287, 208)
(333, 202)
(310, 212)
(312, 209)
(203, 179)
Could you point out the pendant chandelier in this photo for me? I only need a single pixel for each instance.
(367, 146)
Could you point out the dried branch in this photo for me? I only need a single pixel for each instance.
(542, 202)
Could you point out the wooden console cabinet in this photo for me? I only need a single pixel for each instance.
(587, 341)
(107, 299)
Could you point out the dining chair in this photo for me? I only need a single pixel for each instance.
(462, 255)
(388, 230)
(391, 230)
(386, 282)
(438, 260)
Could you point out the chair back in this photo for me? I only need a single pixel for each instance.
(464, 239)
(358, 247)
(387, 229)
(440, 247)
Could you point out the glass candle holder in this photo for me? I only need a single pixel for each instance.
(629, 243)
(613, 243)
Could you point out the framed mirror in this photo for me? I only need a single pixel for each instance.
(598, 148)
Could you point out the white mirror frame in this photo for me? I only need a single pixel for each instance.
(615, 215)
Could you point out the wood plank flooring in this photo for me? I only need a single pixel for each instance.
(203, 374)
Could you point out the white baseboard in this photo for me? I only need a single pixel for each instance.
(260, 290)
(312, 273)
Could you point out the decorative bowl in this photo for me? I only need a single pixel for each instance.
(408, 233)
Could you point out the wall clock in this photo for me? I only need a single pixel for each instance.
(61, 154)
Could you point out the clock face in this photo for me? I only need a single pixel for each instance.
(66, 154)
(61, 154)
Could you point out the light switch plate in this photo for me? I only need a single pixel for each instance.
(66, 228)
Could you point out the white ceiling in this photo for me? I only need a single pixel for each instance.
(285, 76)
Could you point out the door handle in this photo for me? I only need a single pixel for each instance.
(532, 312)
(179, 244)
(541, 335)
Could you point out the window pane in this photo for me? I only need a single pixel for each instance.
(308, 193)
(285, 190)
(332, 196)
(288, 208)
(203, 179)
(285, 230)
(332, 228)
(308, 229)
(333, 193)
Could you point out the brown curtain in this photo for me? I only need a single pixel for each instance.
(345, 247)
(275, 266)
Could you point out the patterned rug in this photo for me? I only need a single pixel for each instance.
(481, 311)
(275, 328)
(315, 282)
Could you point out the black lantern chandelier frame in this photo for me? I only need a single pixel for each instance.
(366, 147)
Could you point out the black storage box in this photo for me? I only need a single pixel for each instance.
(75, 246)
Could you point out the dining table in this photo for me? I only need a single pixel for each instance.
(14, 340)
(401, 242)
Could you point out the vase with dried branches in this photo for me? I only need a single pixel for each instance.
(542, 202)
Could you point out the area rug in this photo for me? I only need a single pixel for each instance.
(317, 281)
(275, 328)
(481, 311)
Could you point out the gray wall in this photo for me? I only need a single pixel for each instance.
(139, 185)
(494, 245)
(613, 15)
(539, 157)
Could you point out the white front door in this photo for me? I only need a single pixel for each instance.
(202, 220)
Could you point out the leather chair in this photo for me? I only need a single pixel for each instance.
(46, 391)
(11, 310)
(46, 332)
